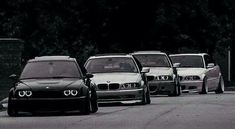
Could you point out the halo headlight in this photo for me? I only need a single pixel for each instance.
(21, 93)
(191, 78)
(130, 85)
(28, 93)
(74, 92)
(67, 92)
(24, 93)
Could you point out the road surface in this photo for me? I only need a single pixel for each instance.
(189, 111)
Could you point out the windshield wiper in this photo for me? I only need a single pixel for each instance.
(33, 78)
(56, 77)
(61, 77)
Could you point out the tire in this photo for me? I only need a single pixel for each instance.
(179, 88)
(204, 86)
(11, 110)
(175, 92)
(220, 88)
(86, 106)
(148, 99)
(144, 98)
(94, 104)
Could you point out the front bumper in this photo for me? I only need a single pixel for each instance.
(161, 87)
(48, 104)
(120, 95)
(193, 86)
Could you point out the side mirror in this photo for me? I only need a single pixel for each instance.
(14, 77)
(210, 65)
(145, 70)
(176, 65)
(88, 75)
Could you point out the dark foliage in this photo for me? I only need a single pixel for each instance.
(81, 28)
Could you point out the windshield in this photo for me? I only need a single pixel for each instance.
(111, 64)
(50, 69)
(188, 61)
(153, 60)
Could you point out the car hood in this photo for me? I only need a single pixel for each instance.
(190, 71)
(160, 71)
(116, 77)
(49, 84)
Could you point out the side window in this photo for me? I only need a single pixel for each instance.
(208, 59)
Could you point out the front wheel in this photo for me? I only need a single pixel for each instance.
(148, 100)
(11, 110)
(144, 98)
(94, 104)
(204, 87)
(86, 105)
(220, 88)
(179, 89)
(176, 91)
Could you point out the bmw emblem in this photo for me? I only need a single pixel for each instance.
(47, 87)
(108, 81)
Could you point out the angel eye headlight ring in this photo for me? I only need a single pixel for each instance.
(67, 92)
(28, 93)
(74, 92)
(21, 93)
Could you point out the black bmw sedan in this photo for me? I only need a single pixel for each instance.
(52, 83)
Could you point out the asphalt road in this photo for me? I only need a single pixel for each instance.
(189, 111)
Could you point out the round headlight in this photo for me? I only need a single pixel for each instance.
(74, 92)
(191, 78)
(28, 93)
(21, 93)
(67, 92)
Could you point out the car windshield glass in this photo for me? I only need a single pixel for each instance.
(188, 61)
(153, 60)
(111, 64)
(50, 69)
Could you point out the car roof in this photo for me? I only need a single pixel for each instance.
(109, 55)
(189, 54)
(148, 52)
(52, 58)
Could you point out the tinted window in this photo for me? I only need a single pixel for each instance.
(188, 61)
(153, 60)
(51, 69)
(208, 59)
(113, 64)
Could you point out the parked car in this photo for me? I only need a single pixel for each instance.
(52, 83)
(119, 78)
(199, 72)
(163, 77)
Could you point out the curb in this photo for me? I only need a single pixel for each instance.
(231, 88)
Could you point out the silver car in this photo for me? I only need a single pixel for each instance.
(163, 77)
(119, 78)
(199, 73)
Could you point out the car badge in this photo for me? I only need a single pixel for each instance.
(47, 87)
(108, 81)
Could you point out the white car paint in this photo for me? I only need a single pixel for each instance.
(116, 78)
(212, 75)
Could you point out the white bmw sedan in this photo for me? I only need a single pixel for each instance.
(198, 72)
(119, 78)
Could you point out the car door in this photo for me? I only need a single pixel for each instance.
(212, 73)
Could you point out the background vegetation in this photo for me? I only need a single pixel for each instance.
(81, 28)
